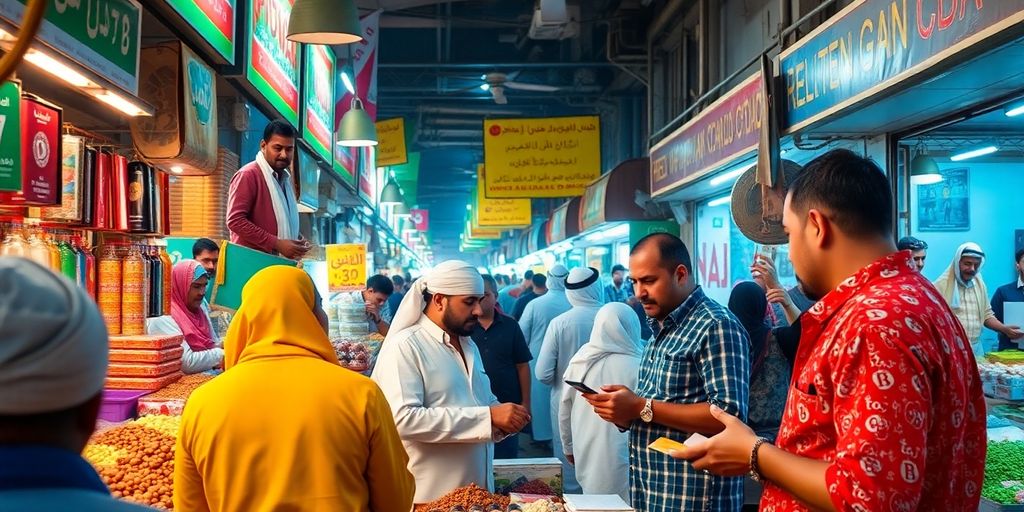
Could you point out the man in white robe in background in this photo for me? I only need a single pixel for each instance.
(566, 334)
(433, 378)
(534, 323)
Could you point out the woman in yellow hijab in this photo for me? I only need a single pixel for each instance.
(286, 427)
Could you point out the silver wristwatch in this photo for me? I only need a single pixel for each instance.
(647, 414)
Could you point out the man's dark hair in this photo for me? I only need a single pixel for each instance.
(279, 127)
(1018, 255)
(618, 268)
(909, 243)
(671, 250)
(850, 189)
(380, 284)
(539, 280)
(528, 275)
(202, 245)
(490, 283)
(398, 280)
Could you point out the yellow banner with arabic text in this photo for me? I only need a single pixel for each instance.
(391, 142)
(541, 157)
(346, 267)
(498, 213)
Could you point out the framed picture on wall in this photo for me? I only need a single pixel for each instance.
(946, 205)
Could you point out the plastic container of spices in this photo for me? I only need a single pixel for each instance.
(109, 287)
(133, 293)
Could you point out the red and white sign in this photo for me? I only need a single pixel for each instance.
(40, 156)
(420, 219)
(364, 65)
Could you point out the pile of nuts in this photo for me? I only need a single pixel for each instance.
(181, 389)
(466, 497)
(145, 472)
(166, 424)
(534, 487)
(100, 455)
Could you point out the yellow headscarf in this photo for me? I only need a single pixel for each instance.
(276, 319)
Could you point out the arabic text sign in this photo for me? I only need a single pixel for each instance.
(318, 92)
(721, 133)
(499, 212)
(346, 267)
(102, 35)
(273, 66)
(873, 41)
(420, 219)
(391, 142)
(213, 20)
(541, 157)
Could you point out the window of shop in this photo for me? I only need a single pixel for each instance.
(966, 187)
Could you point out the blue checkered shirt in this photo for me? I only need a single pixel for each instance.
(699, 355)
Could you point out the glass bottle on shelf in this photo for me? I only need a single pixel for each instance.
(68, 260)
(14, 243)
(51, 243)
(80, 263)
(156, 283)
(38, 251)
(166, 285)
(90, 268)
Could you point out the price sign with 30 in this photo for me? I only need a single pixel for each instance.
(346, 267)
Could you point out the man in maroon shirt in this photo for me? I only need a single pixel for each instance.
(885, 411)
(262, 211)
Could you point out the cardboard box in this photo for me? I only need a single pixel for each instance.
(530, 476)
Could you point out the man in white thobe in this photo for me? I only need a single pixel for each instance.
(534, 323)
(433, 378)
(564, 337)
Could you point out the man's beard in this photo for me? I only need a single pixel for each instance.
(810, 294)
(452, 324)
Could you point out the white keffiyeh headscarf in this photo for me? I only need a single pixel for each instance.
(556, 278)
(53, 342)
(583, 288)
(452, 277)
(948, 281)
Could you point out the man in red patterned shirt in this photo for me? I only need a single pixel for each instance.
(886, 410)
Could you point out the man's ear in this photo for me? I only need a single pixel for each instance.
(820, 227)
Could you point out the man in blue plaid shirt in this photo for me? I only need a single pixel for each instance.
(699, 356)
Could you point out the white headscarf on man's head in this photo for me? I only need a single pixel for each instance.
(53, 342)
(453, 277)
(556, 278)
(616, 331)
(946, 284)
(583, 288)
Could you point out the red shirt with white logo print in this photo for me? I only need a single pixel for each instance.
(887, 390)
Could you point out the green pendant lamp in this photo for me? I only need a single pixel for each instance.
(402, 211)
(391, 194)
(923, 169)
(327, 22)
(356, 128)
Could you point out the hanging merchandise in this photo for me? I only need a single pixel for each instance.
(133, 293)
(72, 182)
(156, 283)
(104, 191)
(40, 155)
(89, 186)
(151, 211)
(166, 294)
(120, 203)
(136, 196)
(68, 260)
(38, 251)
(14, 243)
(90, 270)
(54, 248)
(110, 278)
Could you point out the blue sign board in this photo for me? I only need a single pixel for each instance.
(873, 43)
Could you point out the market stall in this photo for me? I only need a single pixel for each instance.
(1002, 376)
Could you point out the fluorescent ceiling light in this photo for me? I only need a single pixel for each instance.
(120, 103)
(927, 179)
(729, 175)
(974, 153)
(347, 82)
(485, 87)
(1015, 111)
(177, 169)
(469, 207)
(58, 69)
(720, 201)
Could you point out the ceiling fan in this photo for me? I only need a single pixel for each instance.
(496, 83)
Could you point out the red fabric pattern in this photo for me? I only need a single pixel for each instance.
(886, 388)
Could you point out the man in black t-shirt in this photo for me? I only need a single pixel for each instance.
(506, 358)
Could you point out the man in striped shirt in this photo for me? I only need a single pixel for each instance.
(699, 357)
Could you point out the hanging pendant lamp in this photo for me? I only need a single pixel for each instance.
(327, 22)
(356, 128)
(923, 169)
(402, 211)
(391, 194)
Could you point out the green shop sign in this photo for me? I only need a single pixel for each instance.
(213, 20)
(318, 98)
(10, 136)
(273, 60)
(641, 228)
(102, 35)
